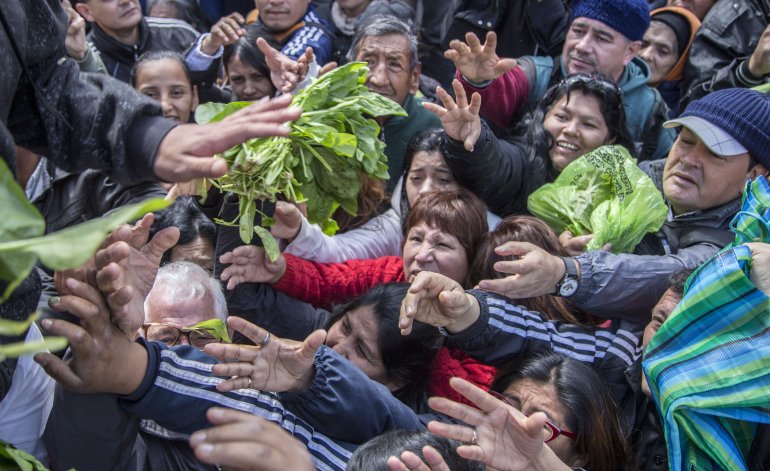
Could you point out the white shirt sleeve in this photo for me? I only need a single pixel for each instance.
(378, 237)
(196, 59)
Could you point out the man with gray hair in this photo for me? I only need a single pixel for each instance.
(183, 295)
(389, 46)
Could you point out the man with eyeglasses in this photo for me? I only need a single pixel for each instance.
(604, 36)
(183, 295)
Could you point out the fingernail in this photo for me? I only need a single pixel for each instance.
(71, 283)
(205, 449)
(47, 323)
(53, 301)
(40, 359)
(215, 412)
(197, 437)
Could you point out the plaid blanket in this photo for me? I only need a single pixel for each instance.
(709, 364)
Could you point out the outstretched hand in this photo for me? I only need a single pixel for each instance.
(250, 264)
(103, 358)
(534, 272)
(242, 441)
(478, 62)
(285, 72)
(224, 32)
(126, 275)
(187, 150)
(439, 301)
(274, 364)
(460, 119)
(505, 438)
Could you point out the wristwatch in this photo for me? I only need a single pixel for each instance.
(568, 285)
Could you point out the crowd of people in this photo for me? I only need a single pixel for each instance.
(444, 327)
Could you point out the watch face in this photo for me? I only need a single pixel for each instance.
(568, 287)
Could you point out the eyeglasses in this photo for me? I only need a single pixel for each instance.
(170, 334)
(550, 431)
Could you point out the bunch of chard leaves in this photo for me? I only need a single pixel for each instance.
(321, 162)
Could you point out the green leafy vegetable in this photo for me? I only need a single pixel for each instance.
(13, 458)
(216, 327)
(17, 327)
(329, 148)
(605, 194)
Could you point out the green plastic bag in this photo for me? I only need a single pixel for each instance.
(602, 193)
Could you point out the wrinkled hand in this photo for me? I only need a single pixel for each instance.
(249, 264)
(277, 366)
(535, 272)
(186, 151)
(574, 245)
(285, 72)
(126, 275)
(224, 32)
(241, 441)
(75, 42)
(288, 221)
(103, 358)
(760, 266)
(759, 62)
(477, 62)
(461, 119)
(409, 461)
(439, 301)
(505, 438)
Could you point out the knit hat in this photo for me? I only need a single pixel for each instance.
(628, 17)
(730, 122)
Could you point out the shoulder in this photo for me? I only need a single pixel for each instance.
(166, 29)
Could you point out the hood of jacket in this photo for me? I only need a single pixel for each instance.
(677, 72)
(634, 76)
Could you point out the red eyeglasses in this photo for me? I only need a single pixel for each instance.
(550, 430)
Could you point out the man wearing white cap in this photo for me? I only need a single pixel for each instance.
(724, 141)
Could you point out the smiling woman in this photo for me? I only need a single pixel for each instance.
(164, 77)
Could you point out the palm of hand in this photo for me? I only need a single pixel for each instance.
(460, 123)
(282, 368)
(478, 66)
(504, 442)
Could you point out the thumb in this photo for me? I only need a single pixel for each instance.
(312, 343)
(200, 167)
(504, 65)
(534, 424)
(268, 51)
(454, 299)
(162, 241)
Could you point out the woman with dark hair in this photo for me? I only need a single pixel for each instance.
(577, 115)
(583, 427)
(424, 170)
(245, 65)
(535, 231)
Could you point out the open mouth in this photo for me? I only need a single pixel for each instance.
(567, 146)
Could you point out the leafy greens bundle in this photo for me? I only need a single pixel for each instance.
(321, 162)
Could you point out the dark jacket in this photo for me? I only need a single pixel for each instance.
(78, 120)
(505, 330)
(720, 52)
(155, 34)
(541, 25)
(503, 173)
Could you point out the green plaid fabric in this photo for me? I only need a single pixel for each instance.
(709, 364)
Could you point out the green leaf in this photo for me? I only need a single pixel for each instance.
(70, 247)
(269, 243)
(15, 350)
(11, 458)
(216, 327)
(764, 88)
(17, 327)
(213, 112)
(246, 225)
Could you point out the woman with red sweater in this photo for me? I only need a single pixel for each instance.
(443, 231)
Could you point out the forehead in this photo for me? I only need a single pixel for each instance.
(579, 100)
(595, 25)
(389, 45)
(537, 396)
(667, 303)
(424, 159)
(363, 324)
(660, 32)
(161, 71)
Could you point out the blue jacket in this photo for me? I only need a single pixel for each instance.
(178, 389)
(645, 109)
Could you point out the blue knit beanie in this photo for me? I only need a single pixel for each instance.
(628, 17)
(742, 113)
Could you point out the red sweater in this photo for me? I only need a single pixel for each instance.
(325, 284)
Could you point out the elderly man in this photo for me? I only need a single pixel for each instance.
(183, 295)
(725, 140)
(604, 36)
(390, 48)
